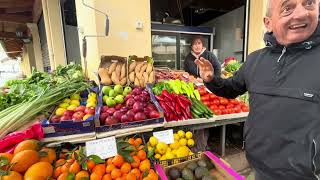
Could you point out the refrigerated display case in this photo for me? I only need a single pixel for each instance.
(172, 43)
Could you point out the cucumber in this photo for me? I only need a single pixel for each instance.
(196, 111)
(194, 115)
(199, 105)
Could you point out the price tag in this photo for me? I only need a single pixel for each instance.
(104, 148)
(164, 136)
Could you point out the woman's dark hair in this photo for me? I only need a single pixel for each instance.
(197, 37)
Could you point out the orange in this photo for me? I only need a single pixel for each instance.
(12, 176)
(107, 177)
(60, 162)
(24, 159)
(57, 172)
(7, 155)
(109, 168)
(63, 154)
(124, 177)
(29, 144)
(66, 166)
(75, 167)
(63, 176)
(136, 162)
(136, 172)
(99, 169)
(142, 155)
(90, 164)
(125, 168)
(109, 161)
(50, 157)
(131, 141)
(40, 169)
(95, 176)
(73, 154)
(118, 161)
(146, 178)
(82, 174)
(145, 165)
(152, 175)
(138, 142)
(141, 147)
(118, 178)
(131, 176)
(116, 173)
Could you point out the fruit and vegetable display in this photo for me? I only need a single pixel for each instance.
(229, 67)
(199, 110)
(201, 169)
(176, 107)
(161, 151)
(141, 71)
(177, 87)
(123, 105)
(76, 108)
(113, 70)
(167, 74)
(221, 105)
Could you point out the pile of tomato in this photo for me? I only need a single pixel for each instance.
(220, 105)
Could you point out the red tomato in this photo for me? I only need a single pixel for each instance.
(237, 109)
(213, 107)
(202, 91)
(213, 96)
(207, 103)
(217, 112)
(221, 107)
(234, 102)
(245, 108)
(224, 101)
(229, 106)
(216, 102)
(224, 111)
(232, 111)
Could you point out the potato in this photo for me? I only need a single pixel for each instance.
(104, 76)
(151, 77)
(136, 82)
(112, 68)
(144, 67)
(123, 81)
(118, 69)
(138, 67)
(149, 68)
(115, 78)
(131, 77)
(123, 71)
(132, 66)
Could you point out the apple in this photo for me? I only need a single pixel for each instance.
(130, 102)
(66, 118)
(127, 90)
(106, 90)
(78, 115)
(110, 111)
(68, 113)
(118, 115)
(112, 93)
(140, 116)
(118, 106)
(125, 118)
(55, 119)
(119, 99)
(110, 102)
(89, 110)
(87, 116)
(104, 109)
(118, 89)
(103, 116)
(111, 121)
(104, 98)
(80, 108)
(138, 107)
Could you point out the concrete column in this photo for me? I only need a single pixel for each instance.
(36, 46)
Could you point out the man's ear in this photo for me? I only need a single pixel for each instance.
(267, 23)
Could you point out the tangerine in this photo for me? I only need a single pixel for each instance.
(145, 165)
(118, 161)
(29, 144)
(107, 177)
(75, 167)
(95, 176)
(125, 168)
(60, 162)
(90, 164)
(131, 141)
(109, 161)
(50, 156)
(81, 175)
(109, 168)
(142, 155)
(99, 169)
(136, 171)
(57, 172)
(63, 176)
(116, 173)
(136, 162)
(138, 142)
(131, 176)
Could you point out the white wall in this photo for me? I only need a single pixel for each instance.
(226, 40)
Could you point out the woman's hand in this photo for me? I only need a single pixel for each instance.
(205, 69)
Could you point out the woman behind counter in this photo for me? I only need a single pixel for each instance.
(197, 51)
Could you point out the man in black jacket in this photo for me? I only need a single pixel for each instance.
(282, 133)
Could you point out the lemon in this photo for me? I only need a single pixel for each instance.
(174, 152)
(190, 142)
(157, 156)
(169, 155)
(183, 151)
(150, 148)
(183, 142)
(75, 102)
(64, 105)
(72, 107)
(168, 149)
(181, 134)
(75, 97)
(92, 95)
(175, 145)
(153, 141)
(189, 135)
(60, 111)
(162, 148)
(163, 158)
(67, 100)
(176, 137)
(90, 104)
(92, 100)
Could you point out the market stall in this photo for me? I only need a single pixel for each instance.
(138, 123)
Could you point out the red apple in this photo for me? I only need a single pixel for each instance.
(111, 111)
(139, 116)
(111, 121)
(89, 110)
(80, 108)
(118, 106)
(78, 115)
(103, 116)
(68, 113)
(118, 115)
(104, 109)
(55, 119)
(66, 118)
(125, 118)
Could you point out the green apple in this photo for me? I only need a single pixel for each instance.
(110, 102)
(106, 90)
(118, 89)
(119, 99)
(112, 93)
(127, 90)
(104, 98)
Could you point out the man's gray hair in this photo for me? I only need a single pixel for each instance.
(269, 8)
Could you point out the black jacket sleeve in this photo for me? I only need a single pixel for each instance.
(233, 86)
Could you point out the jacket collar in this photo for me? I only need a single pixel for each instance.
(197, 56)
(312, 41)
